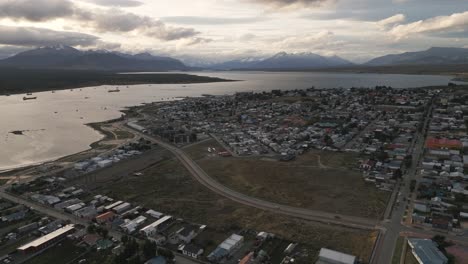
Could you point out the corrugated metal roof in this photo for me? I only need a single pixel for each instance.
(427, 251)
(47, 237)
(337, 256)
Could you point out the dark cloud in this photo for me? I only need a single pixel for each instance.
(194, 20)
(30, 36)
(37, 10)
(115, 20)
(101, 20)
(121, 3)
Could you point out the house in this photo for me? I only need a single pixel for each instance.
(15, 216)
(226, 248)
(105, 217)
(186, 234)
(153, 228)
(158, 239)
(426, 251)
(328, 256)
(91, 239)
(192, 250)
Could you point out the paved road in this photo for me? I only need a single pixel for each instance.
(202, 177)
(393, 227)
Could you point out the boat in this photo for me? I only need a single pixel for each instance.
(114, 91)
(29, 98)
(29, 94)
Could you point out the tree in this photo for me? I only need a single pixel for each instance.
(166, 253)
(149, 249)
(397, 174)
(91, 229)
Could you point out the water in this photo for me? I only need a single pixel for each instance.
(54, 123)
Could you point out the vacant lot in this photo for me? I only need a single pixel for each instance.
(167, 187)
(326, 181)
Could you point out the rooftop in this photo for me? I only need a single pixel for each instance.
(48, 237)
(426, 251)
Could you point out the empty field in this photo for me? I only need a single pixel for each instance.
(326, 181)
(167, 187)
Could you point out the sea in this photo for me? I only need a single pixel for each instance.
(53, 125)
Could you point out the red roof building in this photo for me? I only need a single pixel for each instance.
(438, 143)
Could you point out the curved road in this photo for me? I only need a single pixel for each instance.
(202, 177)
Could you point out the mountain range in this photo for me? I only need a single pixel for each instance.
(65, 57)
(285, 60)
(432, 56)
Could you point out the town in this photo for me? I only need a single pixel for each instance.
(409, 147)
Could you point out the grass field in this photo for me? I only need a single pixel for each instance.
(398, 250)
(409, 258)
(167, 187)
(326, 181)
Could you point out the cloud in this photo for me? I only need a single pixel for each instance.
(318, 41)
(192, 41)
(120, 3)
(452, 23)
(247, 37)
(116, 20)
(194, 20)
(387, 22)
(291, 4)
(30, 36)
(37, 10)
(98, 19)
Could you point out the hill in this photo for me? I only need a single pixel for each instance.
(432, 56)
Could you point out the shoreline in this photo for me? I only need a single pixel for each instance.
(14, 82)
(91, 148)
(105, 136)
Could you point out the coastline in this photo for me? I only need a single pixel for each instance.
(94, 146)
(33, 81)
(92, 149)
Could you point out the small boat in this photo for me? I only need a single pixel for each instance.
(29, 98)
(114, 91)
(29, 94)
(53, 91)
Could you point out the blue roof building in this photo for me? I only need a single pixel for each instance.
(426, 252)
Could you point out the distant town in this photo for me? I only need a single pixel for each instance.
(361, 175)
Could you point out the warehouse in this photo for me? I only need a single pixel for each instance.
(327, 256)
(47, 240)
(121, 208)
(426, 252)
(151, 229)
(113, 205)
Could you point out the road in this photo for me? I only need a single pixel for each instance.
(390, 228)
(393, 226)
(202, 177)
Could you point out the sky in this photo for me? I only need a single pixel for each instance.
(207, 31)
